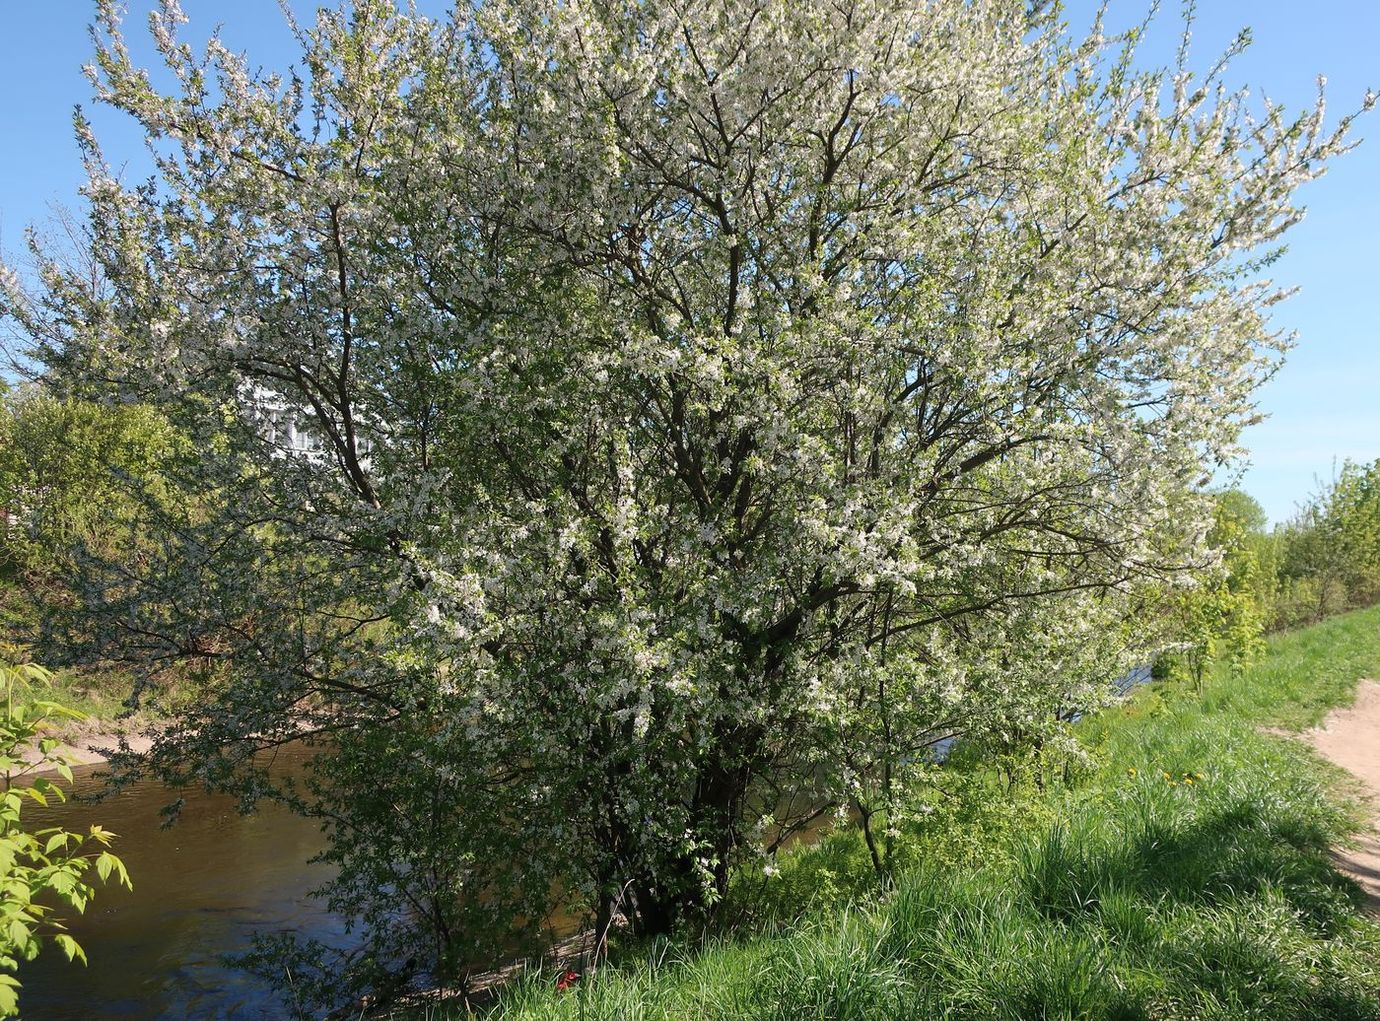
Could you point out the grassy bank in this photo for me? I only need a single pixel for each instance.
(1177, 869)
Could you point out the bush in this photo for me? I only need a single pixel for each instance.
(45, 865)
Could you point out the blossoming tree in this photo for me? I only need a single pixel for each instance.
(718, 403)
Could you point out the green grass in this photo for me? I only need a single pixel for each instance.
(1303, 673)
(102, 699)
(1184, 873)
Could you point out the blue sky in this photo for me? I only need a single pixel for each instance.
(1323, 406)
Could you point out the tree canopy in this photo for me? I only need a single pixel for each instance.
(717, 404)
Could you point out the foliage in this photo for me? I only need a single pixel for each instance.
(1322, 562)
(434, 893)
(1329, 554)
(1223, 615)
(66, 470)
(962, 816)
(716, 405)
(76, 479)
(44, 865)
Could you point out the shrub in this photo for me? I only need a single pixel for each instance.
(45, 865)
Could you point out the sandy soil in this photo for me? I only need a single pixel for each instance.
(87, 748)
(1351, 739)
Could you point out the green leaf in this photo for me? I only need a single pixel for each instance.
(36, 795)
(58, 709)
(17, 934)
(70, 947)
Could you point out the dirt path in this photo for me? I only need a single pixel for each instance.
(1351, 739)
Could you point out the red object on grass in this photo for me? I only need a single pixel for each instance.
(567, 980)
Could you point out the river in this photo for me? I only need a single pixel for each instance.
(202, 888)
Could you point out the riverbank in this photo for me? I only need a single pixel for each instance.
(1179, 863)
(90, 743)
(104, 720)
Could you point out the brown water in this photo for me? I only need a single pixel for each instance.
(201, 890)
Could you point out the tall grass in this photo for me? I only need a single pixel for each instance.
(1185, 874)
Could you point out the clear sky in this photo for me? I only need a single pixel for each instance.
(1323, 406)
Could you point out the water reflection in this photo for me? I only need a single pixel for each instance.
(201, 890)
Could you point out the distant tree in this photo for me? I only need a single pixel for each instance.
(1330, 550)
(718, 404)
(1353, 526)
(66, 467)
(1240, 513)
(78, 481)
(1223, 615)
